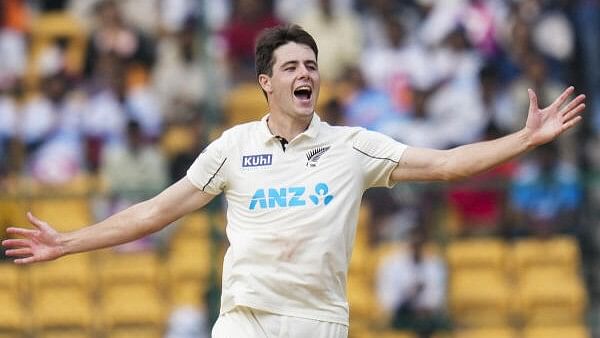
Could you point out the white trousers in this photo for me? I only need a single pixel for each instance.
(244, 322)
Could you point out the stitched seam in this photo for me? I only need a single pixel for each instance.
(375, 157)
(215, 174)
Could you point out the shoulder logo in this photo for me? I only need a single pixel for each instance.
(314, 155)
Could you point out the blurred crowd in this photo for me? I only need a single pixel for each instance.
(84, 85)
(101, 87)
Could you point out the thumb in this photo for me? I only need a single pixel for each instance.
(38, 223)
(533, 102)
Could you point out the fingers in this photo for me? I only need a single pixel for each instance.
(533, 103)
(18, 248)
(26, 260)
(18, 252)
(574, 103)
(573, 113)
(571, 123)
(39, 224)
(15, 243)
(22, 232)
(562, 98)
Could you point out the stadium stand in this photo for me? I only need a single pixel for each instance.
(508, 283)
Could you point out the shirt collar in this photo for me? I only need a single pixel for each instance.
(312, 131)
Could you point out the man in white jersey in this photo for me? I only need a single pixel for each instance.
(293, 186)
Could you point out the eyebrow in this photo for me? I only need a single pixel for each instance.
(294, 62)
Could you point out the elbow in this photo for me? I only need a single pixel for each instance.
(453, 167)
(153, 215)
(449, 171)
(453, 175)
(443, 170)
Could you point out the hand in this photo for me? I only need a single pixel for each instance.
(40, 244)
(544, 125)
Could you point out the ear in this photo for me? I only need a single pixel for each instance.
(265, 83)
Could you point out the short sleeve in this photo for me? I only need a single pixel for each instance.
(207, 171)
(378, 155)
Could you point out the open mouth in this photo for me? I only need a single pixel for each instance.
(303, 93)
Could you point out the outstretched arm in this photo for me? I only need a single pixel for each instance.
(44, 243)
(542, 126)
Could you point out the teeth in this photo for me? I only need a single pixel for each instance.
(304, 88)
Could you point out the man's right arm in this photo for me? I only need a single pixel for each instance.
(44, 243)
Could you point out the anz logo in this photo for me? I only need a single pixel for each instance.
(290, 197)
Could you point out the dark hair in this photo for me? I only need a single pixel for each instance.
(275, 37)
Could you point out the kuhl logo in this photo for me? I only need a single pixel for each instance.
(257, 160)
(289, 197)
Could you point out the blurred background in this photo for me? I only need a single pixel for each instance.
(105, 103)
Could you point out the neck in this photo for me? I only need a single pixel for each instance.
(287, 127)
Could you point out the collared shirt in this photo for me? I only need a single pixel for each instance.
(291, 215)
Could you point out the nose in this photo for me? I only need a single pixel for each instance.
(303, 71)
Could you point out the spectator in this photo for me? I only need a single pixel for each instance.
(397, 66)
(366, 106)
(411, 286)
(113, 36)
(481, 19)
(516, 42)
(447, 109)
(338, 35)
(114, 99)
(455, 105)
(249, 17)
(175, 14)
(182, 160)
(136, 170)
(479, 202)
(143, 15)
(133, 172)
(8, 128)
(439, 19)
(292, 10)
(215, 15)
(495, 99)
(586, 19)
(179, 77)
(553, 36)
(50, 129)
(104, 118)
(13, 45)
(141, 104)
(545, 194)
(374, 17)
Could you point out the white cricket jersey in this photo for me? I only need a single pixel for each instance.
(291, 215)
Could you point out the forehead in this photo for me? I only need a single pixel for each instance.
(293, 51)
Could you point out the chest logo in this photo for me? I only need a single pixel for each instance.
(314, 155)
(287, 197)
(257, 160)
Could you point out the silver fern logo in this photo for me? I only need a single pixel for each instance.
(314, 155)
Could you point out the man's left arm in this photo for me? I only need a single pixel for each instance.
(542, 126)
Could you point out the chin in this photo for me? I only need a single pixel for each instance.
(305, 111)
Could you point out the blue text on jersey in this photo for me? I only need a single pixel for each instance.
(269, 198)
